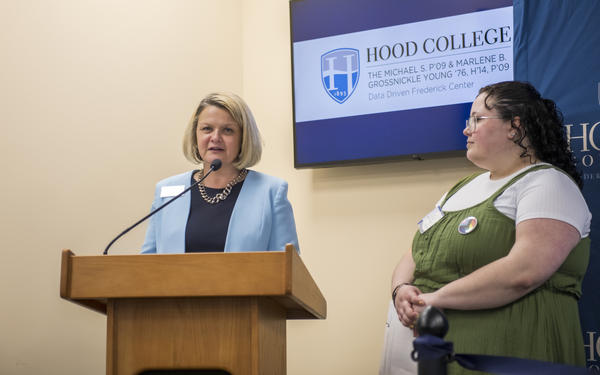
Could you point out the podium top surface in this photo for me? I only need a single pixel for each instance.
(281, 275)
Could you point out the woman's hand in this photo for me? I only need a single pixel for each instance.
(425, 299)
(408, 304)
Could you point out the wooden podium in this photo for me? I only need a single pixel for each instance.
(205, 313)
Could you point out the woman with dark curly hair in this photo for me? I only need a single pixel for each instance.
(505, 250)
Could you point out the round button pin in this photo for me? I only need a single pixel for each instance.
(467, 225)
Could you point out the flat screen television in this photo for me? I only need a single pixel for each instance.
(375, 80)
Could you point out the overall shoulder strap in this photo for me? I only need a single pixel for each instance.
(460, 184)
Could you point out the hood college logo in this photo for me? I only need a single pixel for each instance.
(339, 72)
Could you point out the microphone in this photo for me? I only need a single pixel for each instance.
(215, 165)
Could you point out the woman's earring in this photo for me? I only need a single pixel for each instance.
(512, 134)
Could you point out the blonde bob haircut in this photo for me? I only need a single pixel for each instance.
(251, 147)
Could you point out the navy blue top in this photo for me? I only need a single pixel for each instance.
(207, 224)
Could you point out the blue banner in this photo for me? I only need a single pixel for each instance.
(557, 49)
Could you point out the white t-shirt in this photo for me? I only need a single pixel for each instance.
(545, 193)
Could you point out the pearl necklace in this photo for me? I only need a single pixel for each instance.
(225, 193)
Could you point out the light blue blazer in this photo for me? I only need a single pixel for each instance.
(262, 218)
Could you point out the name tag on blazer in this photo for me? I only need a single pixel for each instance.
(171, 191)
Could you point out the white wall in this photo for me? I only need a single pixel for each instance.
(94, 97)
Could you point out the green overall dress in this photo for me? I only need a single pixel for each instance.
(542, 325)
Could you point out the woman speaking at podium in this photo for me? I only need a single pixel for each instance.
(234, 209)
(504, 251)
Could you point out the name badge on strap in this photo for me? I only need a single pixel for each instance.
(431, 218)
(171, 191)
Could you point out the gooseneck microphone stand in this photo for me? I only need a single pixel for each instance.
(215, 165)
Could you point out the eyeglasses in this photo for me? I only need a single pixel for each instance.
(471, 122)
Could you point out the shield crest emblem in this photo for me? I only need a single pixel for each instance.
(340, 72)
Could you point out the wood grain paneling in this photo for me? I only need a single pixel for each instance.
(223, 311)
